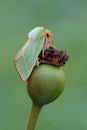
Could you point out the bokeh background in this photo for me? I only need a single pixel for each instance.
(67, 19)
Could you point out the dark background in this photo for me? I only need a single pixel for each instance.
(67, 19)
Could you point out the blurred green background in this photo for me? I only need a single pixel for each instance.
(67, 19)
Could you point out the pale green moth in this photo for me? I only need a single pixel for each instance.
(26, 58)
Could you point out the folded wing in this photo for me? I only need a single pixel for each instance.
(25, 59)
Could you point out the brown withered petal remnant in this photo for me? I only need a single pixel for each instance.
(53, 56)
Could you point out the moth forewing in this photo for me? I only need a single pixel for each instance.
(21, 50)
(26, 58)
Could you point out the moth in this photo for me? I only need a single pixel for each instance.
(38, 39)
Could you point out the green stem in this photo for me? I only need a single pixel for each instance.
(33, 117)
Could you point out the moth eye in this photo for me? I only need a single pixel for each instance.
(47, 34)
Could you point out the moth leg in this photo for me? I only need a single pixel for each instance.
(37, 62)
(43, 52)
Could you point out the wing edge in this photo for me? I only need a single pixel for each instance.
(17, 54)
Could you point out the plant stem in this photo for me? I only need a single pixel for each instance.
(33, 117)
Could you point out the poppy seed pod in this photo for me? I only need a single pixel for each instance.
(45, 84)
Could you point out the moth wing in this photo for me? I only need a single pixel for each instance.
(25, 59)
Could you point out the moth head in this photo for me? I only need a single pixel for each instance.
(46, 33)
(36, 33)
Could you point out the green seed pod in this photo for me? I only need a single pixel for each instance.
(45, 84)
